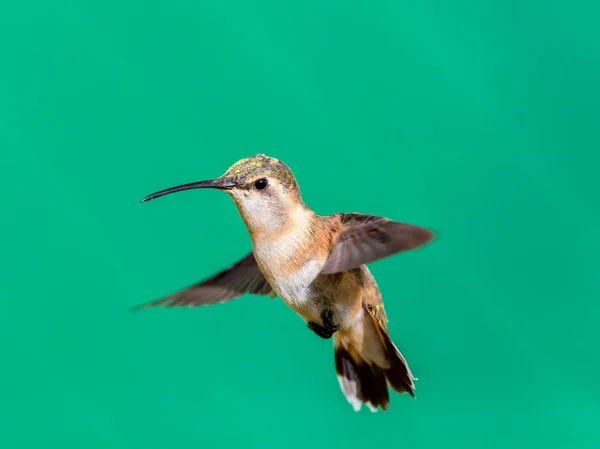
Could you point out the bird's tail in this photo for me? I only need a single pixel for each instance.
(367, 362)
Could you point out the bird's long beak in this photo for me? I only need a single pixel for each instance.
(221, 184)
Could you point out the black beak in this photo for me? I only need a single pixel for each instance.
(212, 184)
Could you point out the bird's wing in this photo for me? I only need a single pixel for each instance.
(238, 279)
(367, 238)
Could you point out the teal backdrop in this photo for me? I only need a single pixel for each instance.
(478, 119)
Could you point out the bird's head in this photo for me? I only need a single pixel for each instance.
(263, 188)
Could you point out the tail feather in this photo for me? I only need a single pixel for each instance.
(361, 383)
(398, 375)
(367, 362)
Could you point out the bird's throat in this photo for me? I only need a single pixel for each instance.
(282, 238)
(269, 221)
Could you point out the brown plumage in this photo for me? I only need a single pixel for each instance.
(317, 266)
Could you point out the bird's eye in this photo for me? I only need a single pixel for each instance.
(261, 184)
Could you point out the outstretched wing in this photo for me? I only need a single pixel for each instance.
(238, 279)
(367, 238)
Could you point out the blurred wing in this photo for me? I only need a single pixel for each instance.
(241, 278)
(367, 238)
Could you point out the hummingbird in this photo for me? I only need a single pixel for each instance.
(317, 266)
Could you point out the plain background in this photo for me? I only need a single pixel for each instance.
(476, 119)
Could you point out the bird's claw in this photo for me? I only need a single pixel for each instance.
(328, 328)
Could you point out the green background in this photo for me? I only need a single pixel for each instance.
(477, 119)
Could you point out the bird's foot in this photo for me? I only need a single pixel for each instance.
(328, 328)
(321, 331)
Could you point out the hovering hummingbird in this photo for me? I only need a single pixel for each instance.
(316, 265)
